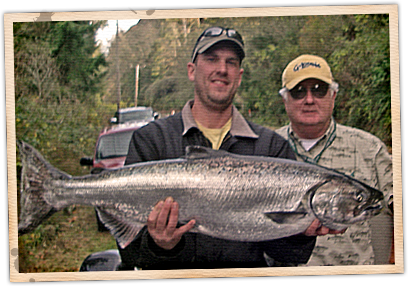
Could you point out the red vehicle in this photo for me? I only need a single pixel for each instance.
(113, 142)
(111, 150)
(112, 147)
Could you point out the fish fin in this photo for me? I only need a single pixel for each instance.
(35, 171)
(302, 211)
(123, 231)
(200, 152)
(289, 217)
(286, 217)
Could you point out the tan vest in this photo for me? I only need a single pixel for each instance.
(363, 156)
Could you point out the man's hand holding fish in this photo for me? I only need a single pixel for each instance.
(317, 229)
(162, 224)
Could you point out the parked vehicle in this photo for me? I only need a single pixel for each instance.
(113, 142)
(111, 150)
(134, 114)
(108, 260)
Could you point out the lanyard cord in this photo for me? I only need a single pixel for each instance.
(316, 159)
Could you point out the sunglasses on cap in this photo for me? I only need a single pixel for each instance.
(218, 31)
(319, 90)
(214, 32)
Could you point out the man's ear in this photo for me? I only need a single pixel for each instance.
(241, 72)
(191, 71)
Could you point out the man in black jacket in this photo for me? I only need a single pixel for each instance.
(209, 120)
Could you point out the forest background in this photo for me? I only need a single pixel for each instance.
(66, 91)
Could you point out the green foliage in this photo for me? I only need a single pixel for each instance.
(62, 131)
(58, 74)
(268, 51)
(73, 47)
(62, 243)
(365, 97)
(169, 93)
(58, 60)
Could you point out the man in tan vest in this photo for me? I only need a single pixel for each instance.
(309, 92)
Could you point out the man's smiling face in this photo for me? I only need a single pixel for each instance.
(216, 75)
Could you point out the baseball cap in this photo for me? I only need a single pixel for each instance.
(304, 67)
(214, 35)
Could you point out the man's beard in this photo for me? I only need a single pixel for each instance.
(213, 102)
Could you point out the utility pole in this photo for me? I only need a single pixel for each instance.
(117, 65)
(136, 84)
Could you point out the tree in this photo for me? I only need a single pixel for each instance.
(32, 61)
(74, 48)
(38, 69)
(64, 53)
(365, 98)
(268, 52)
(160, 48)
(58, 89)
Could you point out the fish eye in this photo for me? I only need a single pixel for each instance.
(360, 197)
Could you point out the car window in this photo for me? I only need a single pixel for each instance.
(140, 115)
(113, 145)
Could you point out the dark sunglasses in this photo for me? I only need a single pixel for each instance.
(218, 31)
(319, 90)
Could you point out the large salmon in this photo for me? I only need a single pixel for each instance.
(235, 197)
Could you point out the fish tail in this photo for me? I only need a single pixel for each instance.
(34, 206)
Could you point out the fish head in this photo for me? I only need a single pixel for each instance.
(339, 203)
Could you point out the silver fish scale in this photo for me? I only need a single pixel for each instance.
(254, 193)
